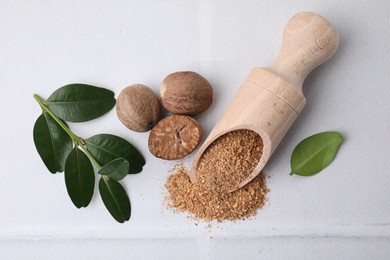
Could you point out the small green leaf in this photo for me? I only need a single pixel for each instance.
(80, 102)
(52, 142)
(115, 199)
(315, 153)
(116, 169)
(106, 147)
(79, 178)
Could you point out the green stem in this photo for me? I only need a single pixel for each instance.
(76, 139)
(98, 166)
(41, 102)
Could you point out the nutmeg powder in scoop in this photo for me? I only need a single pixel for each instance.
(227, 161)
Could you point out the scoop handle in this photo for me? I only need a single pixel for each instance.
(308, 41)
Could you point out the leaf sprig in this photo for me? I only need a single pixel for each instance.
(62, 150)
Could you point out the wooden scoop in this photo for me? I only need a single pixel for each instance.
(271, 98)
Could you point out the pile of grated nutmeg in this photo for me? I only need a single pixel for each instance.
(225, 163)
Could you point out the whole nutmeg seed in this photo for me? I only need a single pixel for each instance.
(186, 93)
(138, 108)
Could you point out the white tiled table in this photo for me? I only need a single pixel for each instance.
(342, 213)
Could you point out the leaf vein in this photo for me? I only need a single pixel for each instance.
(115, 201)
(313, 155)
(103, 149)
(71, 103)
(52, 142)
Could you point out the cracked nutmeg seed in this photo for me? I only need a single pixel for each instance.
(174, 137)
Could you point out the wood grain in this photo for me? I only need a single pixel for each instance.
(270, 98)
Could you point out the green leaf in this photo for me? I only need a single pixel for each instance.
(79, 178)
(80, 102)
(52, 142)
(106, 147)
(115, 199)
(315, 153)
(116, 169)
